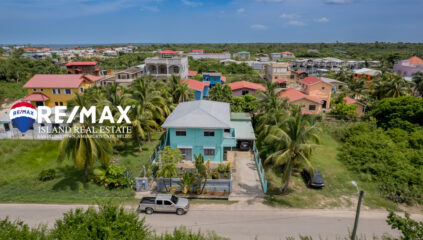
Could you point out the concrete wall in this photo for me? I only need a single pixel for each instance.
(320, 90)
(305, 106)
(218, 185)
(238, 92)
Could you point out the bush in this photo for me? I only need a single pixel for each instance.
(113, 176)
(409, 228)
(47, 175)
(19, 231)
(182, 233)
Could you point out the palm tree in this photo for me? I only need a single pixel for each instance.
(142, 122)
(270, 99)
(418, 82)
(84, 149)
(183, 92)
(391, 85)
(169, 170)
(292, 144)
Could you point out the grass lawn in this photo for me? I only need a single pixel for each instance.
(22, 160)
(338, 192)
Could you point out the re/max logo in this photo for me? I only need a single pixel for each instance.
(44, 113)
(23, 111)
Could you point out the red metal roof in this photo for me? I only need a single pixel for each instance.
(295, 95)
(92, 63)
(415, 60)
(196, 85)
(349, 100)
(223, 78)
(245, 84)
(57, 80)
(286, 52)
(310, 80)
(97, 69)
(168, 52)
(192, 73)
(299, 71)
(36, 97)
(281, 81)
(92, 78)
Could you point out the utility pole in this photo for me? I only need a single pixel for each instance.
(357, 215)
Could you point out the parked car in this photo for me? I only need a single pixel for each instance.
(164, 203)
(314, 180)
(244, 146)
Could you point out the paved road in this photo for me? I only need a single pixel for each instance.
(237, 221)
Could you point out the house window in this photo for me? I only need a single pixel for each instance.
(323, 88)
(81, 90)
(56, 91)
(68, 91)
(311, 107)
(61, 103)
(208, 133)
(181, 132)
(56, 103)
(186, 153)
(41, 89)
(34, 89)
(244, 92)
(209, 152)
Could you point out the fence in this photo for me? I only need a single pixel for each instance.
(260, 168)
(212, 185)
(163, 141)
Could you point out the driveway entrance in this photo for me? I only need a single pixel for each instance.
(245, 179)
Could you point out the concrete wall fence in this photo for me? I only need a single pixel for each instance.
(212, 185)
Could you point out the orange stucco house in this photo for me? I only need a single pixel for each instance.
(309, 104)
(360, 106)
(315, 87)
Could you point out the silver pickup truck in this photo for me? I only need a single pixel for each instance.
(164, 203)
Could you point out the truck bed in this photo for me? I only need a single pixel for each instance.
(148, 200)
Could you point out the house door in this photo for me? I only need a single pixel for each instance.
(6, 127)
(324, 104)
(186, 154)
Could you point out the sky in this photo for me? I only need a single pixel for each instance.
(207, 21)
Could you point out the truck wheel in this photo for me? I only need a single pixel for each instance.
(149, 211)
(180, 211)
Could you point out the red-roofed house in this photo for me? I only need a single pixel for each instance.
(361, 108)
(287, 54)
(192, 73)
(310, 105)
(91, 67)
(201, 89)
(244, 87)
(56, 89)
(298, 75)
(317, 88)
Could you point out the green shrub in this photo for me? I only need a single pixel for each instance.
(182, 233)
(47, 175)
(113, 176)
(409, 228)
(20, 231)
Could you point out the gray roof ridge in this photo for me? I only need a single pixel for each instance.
(203, 110)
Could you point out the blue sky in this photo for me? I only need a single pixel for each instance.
(201, 21)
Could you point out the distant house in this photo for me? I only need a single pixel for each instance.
(361, 108)
(213, 78)
(201, 89)
(199, 54)
(336, 85)
(262, 57)
(277, 71)
(201, 127)
(287, 54)
(124, 77)
(242, 55)
(91, 67)
(309, 105)
(366, 73)
(165, 65)
(275, 56)
(298, 75)
(56, 89)
(317, 88)
(244, 87)
(192, 73)
(408, 67)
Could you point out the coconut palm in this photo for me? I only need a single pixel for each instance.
(84, 149)
(183, 93)
(292, 144)
(142, 122)
(270, 99)
(169, 170)
(391, 85)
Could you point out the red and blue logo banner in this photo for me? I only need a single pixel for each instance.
(23, 115)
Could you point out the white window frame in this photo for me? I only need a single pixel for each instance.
(209, 148)
(209, 130)
(181, 130)
(56, 91)
(66, 89)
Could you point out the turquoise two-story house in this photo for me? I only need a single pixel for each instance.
(201, 127)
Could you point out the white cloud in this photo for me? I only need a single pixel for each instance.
(258, 27)
(241, 10)
(289, 16)
(322, 20)
(191, 4)
(338, 1)
(296, 23)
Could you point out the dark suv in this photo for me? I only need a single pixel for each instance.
(313, 180)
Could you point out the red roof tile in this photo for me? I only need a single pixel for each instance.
(349, 100)
(310, 80)
(192, 73)
(92, 63)
(196, 85)
(299, 71)
(36, 97)
(168, 52)
(281, 81)
(295, 95)
(93, 78)
(56, 81)
(286, 52)
(245, 84)
(415, 60)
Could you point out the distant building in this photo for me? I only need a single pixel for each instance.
(192, 73)
(241, 88)
(309, 105)
(287, 54)
(275, 56)
(124, 77)
(213, 78)
(277, 71)
(201, 89)
(165, 65)
(91, 67)
(366, 73)
(318, 89)
(56, 89)
(408, 67)
(199, 54)
(361, 108)
(262, 57)
(242, 55)
(298, 75)
(336, 85)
